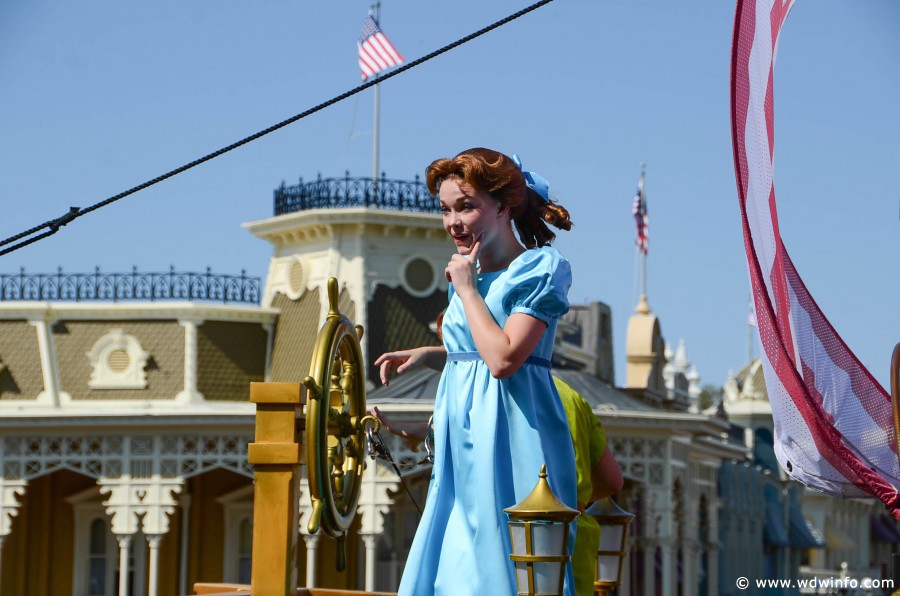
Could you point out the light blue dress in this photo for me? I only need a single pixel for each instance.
(491, 437)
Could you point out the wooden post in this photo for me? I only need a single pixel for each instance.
(276, 459)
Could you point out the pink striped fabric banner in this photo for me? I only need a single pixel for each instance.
(833, 422)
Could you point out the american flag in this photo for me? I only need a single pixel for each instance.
(834, 427)
(641, 219)
(376, 52)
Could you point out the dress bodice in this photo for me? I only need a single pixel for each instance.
(535, 283)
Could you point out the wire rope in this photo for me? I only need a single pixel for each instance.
(54, 225)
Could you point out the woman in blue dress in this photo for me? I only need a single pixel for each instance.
(497, 415)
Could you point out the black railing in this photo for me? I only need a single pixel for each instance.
(134, 286)
(327, 193)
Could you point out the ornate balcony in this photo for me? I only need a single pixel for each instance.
(134, 286)
(326, 193)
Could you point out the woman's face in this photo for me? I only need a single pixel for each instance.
(469, 214)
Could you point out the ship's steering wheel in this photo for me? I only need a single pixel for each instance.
(335, 426)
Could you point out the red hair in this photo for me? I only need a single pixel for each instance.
(499, 176)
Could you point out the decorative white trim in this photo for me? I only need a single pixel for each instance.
(112, 459)
(313, 224)
(103, 409)
(50, 396)
(10, 492)
(147, 502)
(103, 376)
(155, 311)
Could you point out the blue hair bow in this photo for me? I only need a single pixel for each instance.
(533, 180)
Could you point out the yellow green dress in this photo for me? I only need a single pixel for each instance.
(589, 441)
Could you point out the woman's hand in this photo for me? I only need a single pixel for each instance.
(461, 270)
(400, 362)
(413, 432)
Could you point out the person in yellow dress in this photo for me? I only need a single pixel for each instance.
(599, 476)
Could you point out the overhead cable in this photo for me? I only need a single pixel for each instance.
(54, 225)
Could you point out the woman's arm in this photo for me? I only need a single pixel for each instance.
(503, 350)
(434, 357)
(606, 476)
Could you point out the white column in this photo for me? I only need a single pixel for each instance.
(153, 541)
(312, 544)
(689, 565)
(10, 491)
(625, 588)
(270, 340)
(190, 394)
(649, 567)
(712, 545)
(51, 394)
(371, 542)
(124, 544)
(712, 570)
(185, 540)
(375, 501)
(668, 568)
(395, 568)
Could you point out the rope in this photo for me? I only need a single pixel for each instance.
(76, 212)
(379, 450)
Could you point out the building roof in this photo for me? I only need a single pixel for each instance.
(420, 386)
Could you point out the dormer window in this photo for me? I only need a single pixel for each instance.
(118, 362)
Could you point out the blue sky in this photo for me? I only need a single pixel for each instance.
(97, 97)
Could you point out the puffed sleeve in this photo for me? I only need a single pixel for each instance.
(538, 284)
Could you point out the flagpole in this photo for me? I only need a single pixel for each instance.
(376, 10)
(643, 252)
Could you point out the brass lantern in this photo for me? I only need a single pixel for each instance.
(613, 522)
(539, 532)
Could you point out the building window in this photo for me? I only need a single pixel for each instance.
(237, 510)
(118, 362)
(96, 554)
(297, 278)
(418, 277)
(98, 559)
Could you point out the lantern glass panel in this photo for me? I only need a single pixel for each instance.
(518, 537)
(522, 576)
(547, 539)
(546, 577)
(611, 538)
(608, 568)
